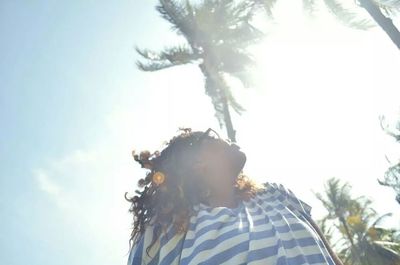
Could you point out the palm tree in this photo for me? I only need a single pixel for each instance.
(364, 242)
(374, 8)
(379, 10)
(337, 201)
(217, 33)
(392, 175)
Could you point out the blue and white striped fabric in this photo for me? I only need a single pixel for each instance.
(268, 229)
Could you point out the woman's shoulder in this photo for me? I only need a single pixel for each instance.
(279, 193)
(273, 189)
(272, 186)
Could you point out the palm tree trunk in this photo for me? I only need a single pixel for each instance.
(228, 121)
(208, 71)
(384, 22)
(347, 231)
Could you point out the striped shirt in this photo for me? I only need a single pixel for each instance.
(267, 229)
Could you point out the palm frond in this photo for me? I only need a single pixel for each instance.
(347, 17)
(393, 133)
(386, 243)
(236, 106)
(233, 60)
(392, 174)
(225, 21)
(245, 77)
(324, 202)
(179, 15)
(392, 179)
(267, 6)
(153, 66)
(390, 3)
(242, 11)
(167, 58)
(171, 11)
(241, 35)
(385, 253)
(389, 7)
(309, 6)
(380, 218)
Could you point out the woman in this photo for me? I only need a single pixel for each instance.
(196, 207)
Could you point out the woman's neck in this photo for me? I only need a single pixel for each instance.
(223, 196)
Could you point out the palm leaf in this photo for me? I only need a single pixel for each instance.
(239, 11)
(167, 58)
(385, 253)
(389, 7)
(309, 6)
(179, 16)
(242, 35)
(267, 6)
(380, 218)
(233, 61)
(387, 129)
(238, 108)
(171, 11)
(347, 17)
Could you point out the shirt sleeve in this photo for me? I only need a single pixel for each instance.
(289, 199)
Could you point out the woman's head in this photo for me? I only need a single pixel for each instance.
(189, 165)
(217, 161)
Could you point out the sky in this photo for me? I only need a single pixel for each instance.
(73, 106)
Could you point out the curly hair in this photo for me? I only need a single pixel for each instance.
(172, 201)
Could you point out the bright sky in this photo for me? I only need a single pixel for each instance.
(73, 106)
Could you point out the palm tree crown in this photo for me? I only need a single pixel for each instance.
(217, 33)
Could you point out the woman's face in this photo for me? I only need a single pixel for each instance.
(221, 162)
